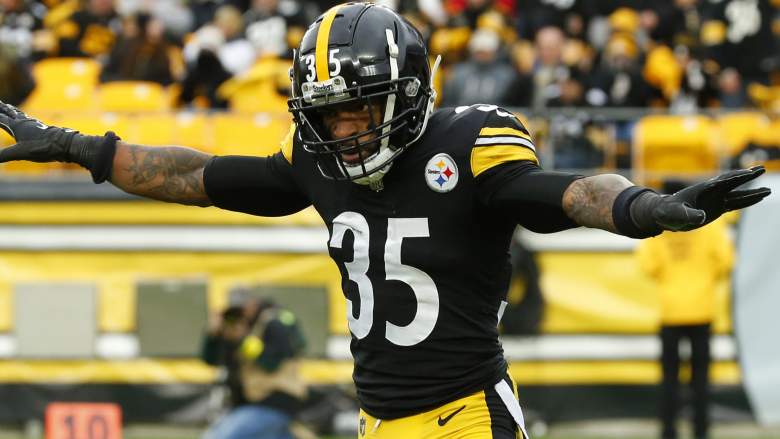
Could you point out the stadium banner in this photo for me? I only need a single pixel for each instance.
(584, 292)
(597, 337)
(756, 302)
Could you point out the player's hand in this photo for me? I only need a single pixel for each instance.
(36, 141)
(705, 202)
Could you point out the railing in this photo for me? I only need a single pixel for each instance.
(582, 140)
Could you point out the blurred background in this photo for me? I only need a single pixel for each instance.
(108, 298)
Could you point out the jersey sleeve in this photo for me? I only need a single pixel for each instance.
(509, 179)
(531, 196)
(501, 139)
(261, 186)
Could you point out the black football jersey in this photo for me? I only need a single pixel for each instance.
(424, 261)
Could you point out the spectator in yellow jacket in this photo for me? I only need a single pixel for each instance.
(686, 268)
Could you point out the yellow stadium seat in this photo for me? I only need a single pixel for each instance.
(674, 146)
(770, 134)
(60, 98)
(154, 129)
(247, 134)
(194, 130)
(5, 139)
(180, 129)
(737, 130)
(130, 96)
(256, 90)
(258, 97)
(64, 84)
(67, 70)
(96, 124)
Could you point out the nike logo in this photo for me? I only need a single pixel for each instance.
(442, 422)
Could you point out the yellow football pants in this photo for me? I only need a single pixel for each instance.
(492, 413)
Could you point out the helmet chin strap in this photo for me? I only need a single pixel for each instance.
(390, 106)
(374, 179)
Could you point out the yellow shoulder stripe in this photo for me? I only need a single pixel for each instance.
(321, 49)
(287, 144)
(504, 132)
(486, 157)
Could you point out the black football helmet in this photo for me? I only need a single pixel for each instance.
(358, 56)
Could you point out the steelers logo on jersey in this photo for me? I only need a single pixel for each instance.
(441, 173)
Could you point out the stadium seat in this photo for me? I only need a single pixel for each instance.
(30, 168)
(67, 70)
(152, 129)
(674, 146)
(257, 135)
(258, 97)
(96, 124)
(133, 96)
(180, 129)
(256, 90)
(64, 84)
(194, 130)
(770, 135)
(737, 130)
(5, 139)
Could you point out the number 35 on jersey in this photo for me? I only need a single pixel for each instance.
(421, 283)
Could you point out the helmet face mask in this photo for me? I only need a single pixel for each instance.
(390, 78)
(379, 135)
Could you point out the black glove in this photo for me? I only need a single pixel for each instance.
(696, 205)
(37, 142)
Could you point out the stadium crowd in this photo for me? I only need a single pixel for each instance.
(681, 54)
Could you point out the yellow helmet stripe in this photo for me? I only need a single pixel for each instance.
(321, 50)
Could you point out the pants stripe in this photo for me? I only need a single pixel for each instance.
(508, 396)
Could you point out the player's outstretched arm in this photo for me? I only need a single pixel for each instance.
(172, 174)
(588, 201)
(613, 203)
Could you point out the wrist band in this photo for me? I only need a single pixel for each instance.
(621, 213)
(104, 159)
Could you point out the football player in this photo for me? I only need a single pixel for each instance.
(420, 206)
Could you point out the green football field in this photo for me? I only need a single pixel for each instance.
(622, 429)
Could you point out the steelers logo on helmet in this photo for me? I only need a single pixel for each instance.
(441, 173)
(364, 56)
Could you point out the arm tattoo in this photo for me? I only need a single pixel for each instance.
(588, 201)
(172, 174)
